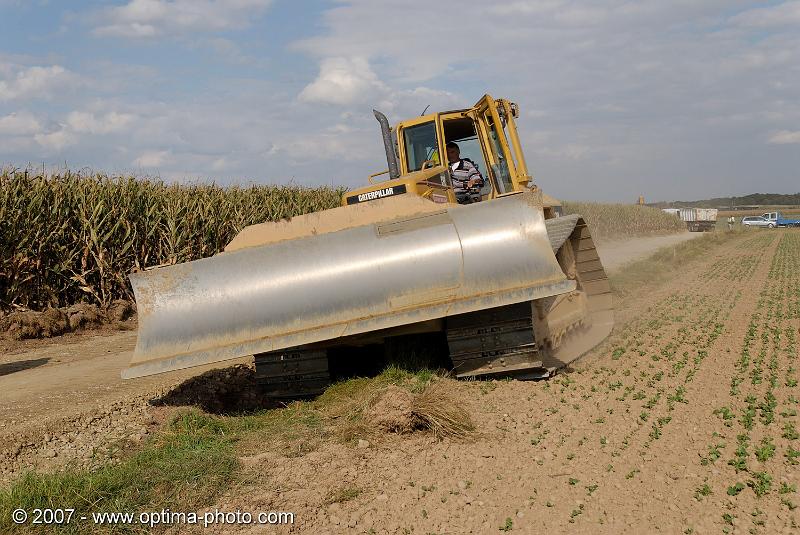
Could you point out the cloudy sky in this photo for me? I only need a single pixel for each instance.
(673, 100)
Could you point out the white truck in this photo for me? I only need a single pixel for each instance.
(696, 219)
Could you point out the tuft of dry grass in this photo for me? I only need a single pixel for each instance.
(395, 403)
(437, 410)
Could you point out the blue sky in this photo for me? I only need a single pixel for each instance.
(675, 100)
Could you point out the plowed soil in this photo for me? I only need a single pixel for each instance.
(684, 421)
(650, 433)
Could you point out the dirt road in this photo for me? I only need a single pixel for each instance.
(617, 253)
(63, 399)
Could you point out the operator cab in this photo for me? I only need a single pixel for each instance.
(415, 150)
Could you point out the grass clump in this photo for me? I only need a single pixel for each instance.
(343, 494)
(185, 467)
(397, 401)
(439, 412)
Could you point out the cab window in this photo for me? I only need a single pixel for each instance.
(500, 169)
(421, 145)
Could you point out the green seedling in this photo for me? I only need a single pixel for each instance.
(702, 491)
(766, 451)
(734, 490)
(761, 483)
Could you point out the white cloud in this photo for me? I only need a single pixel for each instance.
(526, 8)
(56, 140)
(785, 137)
(87, 122)
(343, 81)
(19, 124)
(34, 82)
(785, 14)
(149, 18)
(133, 30)
(220, 164)
(152, 159)
(332, 145)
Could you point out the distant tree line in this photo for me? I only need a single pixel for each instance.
(754, 199)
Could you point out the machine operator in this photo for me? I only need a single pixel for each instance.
(467, 180)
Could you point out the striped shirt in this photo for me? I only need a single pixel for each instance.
(463, 171)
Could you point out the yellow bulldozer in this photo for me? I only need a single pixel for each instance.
(510, 286)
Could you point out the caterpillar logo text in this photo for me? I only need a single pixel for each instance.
(377, 194)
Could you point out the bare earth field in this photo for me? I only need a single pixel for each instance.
(684, 421)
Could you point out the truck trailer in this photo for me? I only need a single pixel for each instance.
(699, 219)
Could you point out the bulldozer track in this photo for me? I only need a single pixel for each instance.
(560, 228)
(293, 372)
(502, 340)
(494, 341)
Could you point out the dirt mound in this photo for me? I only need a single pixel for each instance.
(82, 315)
(56, 321)
(393, 412)
(222, 391)
(120, 310)
(30, 324)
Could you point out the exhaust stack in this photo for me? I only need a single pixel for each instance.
(388, 145)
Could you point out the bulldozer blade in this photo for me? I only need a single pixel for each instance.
(318, 288)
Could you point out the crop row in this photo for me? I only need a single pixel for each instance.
(621, 412)
(757, 442)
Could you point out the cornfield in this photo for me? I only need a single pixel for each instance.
(67, 238)
(608, 221)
